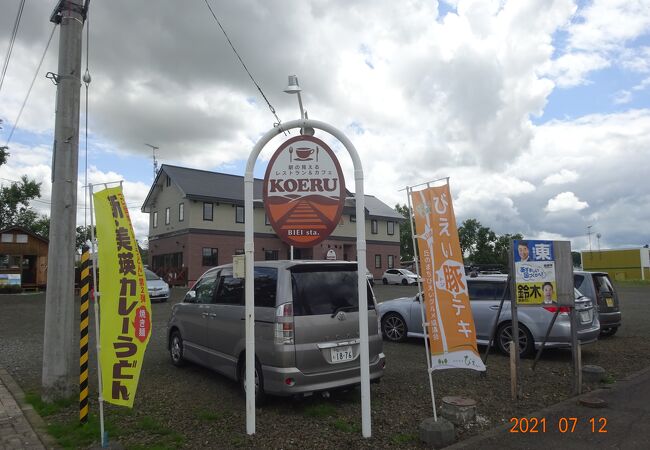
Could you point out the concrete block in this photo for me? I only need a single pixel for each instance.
(438, 433)
(593, 374)
(458, 410)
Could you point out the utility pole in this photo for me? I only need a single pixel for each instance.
(589, 234)
(59, 347)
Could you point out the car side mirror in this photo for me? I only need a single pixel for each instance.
(190, 297)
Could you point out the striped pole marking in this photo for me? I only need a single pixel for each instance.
(83, 328)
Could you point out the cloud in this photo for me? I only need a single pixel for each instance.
(622, 97)
(597, 38)
(565, 201)
(564, 176)
(421, 95)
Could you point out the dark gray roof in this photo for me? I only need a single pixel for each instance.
(222, 187)
(215, 186)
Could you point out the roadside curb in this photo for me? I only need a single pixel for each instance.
(37, 423)
(475, 441)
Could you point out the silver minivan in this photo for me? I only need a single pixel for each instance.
(306, 326)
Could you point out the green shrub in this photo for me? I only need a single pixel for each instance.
(10, 289)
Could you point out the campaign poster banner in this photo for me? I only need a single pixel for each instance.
(535, 282)
(452, 335)
(125, 319)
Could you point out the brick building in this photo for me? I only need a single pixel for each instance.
(196, 221)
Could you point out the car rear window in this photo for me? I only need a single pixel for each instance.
(603, 284)
(319, 289)
(483, 290)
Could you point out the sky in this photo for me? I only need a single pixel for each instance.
(538, 111)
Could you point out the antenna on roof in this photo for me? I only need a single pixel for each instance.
(155, 162)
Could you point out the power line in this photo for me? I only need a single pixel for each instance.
(243, 65)
(29, 91)
(11, 42)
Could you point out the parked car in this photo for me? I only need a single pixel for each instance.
(306, 326)
(599, 287)
(158, 289)
(399, 276)
(402, 318)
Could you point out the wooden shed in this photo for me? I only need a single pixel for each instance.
(23, 258)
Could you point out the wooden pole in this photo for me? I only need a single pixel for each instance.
(513, 369)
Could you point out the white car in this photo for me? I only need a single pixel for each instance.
(158, 289)
(399, 276)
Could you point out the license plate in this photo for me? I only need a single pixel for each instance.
(341, 354)
(610, 302)
(585, 316)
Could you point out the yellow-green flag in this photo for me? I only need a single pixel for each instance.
(125, 309)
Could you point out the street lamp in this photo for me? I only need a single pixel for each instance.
(294, 88)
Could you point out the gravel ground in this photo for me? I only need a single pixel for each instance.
(192, 407)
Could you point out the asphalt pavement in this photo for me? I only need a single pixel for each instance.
(624, 422)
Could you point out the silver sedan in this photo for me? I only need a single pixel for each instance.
(402, 317)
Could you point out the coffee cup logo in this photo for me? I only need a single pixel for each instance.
(304, 191)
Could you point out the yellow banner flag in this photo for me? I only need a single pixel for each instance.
(125, 319)
(452, 335)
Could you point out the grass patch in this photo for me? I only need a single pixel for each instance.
(346, 427)
(210, 416)
(403, 438)
(609, 379)
(150, 425)
(320, 410)
(72, 435)
(47, 409)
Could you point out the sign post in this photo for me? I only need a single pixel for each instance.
(309, 239)
(543, 277)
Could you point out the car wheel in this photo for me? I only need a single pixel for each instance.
(607, 332)
(259, 381)
(405, 281)
(385, 281)
(504, 336)
(176, 349)
(393, 327)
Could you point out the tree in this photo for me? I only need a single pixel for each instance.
(481, 245)
(405, 235)
(84, 236)
(15, 198)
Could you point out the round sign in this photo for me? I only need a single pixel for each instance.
(304, 191)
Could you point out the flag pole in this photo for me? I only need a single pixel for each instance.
(103, 437)
(425, 324)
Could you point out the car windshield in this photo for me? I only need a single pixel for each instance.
(150, 275)
(326, 289)
(407, 272)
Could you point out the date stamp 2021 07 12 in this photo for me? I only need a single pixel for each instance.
(563, 424)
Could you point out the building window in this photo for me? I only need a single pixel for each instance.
(166, 216)
(155, 219)
(181, 212)
(390, 228)
(271, 255)
(239, 214)
(21, 238)
(168, 182)
(391, 261)
(10, 261)
(353, 219)
(7, 237)
(377, 261)
(210, 256)
(266, 220)
(207, 211)
(374, 229)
